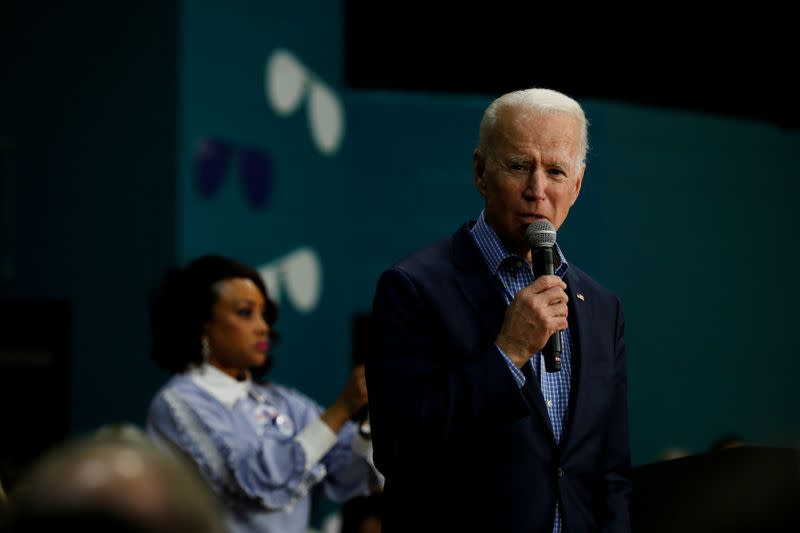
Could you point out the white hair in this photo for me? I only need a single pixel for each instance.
(537, 100)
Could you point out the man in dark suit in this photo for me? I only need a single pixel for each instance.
(470, 430)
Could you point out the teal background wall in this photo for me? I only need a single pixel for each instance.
(88, 194)
(689, 217)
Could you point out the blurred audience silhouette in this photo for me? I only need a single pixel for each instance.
(727, 441)
(115, 479)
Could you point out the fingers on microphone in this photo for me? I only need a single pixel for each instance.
(556, 296)
(544, 283)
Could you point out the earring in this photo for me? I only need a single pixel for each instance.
(206, 349)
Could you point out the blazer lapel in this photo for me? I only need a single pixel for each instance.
(533, 392)
(483, 292)
(579, 321)
(477, 284)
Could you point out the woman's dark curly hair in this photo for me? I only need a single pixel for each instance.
(182, 304)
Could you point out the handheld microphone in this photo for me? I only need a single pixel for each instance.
(541, 236)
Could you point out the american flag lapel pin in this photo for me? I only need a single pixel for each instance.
(580, 297)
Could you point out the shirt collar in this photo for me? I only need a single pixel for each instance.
(219, 384)
(494, 251)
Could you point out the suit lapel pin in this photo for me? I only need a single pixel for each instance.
(580, 297)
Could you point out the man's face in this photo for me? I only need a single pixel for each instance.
(531, 173)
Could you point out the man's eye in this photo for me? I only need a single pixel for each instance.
(245, 313)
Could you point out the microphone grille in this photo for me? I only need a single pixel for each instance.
(540, 233)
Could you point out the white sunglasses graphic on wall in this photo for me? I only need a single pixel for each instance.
(298, 274)
(287, 82)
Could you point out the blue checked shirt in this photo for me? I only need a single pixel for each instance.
(515, 273)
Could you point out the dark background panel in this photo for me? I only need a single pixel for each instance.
(35, 380)
(741, 489)
(722, 63)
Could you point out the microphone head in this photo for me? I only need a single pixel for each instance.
(540, 234)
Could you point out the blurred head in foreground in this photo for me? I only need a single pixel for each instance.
(114, 480)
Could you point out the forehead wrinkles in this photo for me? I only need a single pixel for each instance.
(552, 137)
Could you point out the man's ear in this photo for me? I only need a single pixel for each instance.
(479, 172)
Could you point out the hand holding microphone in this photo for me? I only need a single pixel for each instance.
(539, 311)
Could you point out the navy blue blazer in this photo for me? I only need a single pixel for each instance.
(463, 448)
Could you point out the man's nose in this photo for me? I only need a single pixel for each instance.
(536, 185)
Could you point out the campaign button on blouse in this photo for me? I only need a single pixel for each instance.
(284, 425)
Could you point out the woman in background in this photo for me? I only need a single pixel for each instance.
(262, 446)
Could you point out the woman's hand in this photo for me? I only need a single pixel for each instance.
(352, 398)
